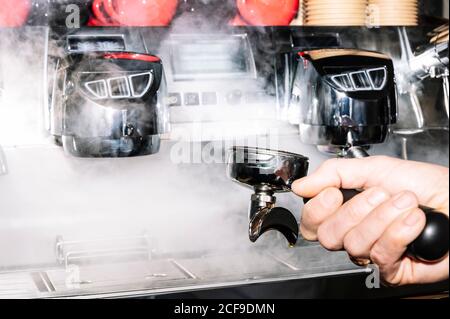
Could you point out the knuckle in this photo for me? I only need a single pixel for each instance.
(326, 239)
(411, 196)
(353, 212)
(379, 191)
(353, 245)
(378, 256)
(310, 219)
(314, 213)
(308, 234)
(396, 237)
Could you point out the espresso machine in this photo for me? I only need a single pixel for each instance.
(147, 226)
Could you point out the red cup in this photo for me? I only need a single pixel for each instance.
(101, 17)
(268, 12)
(14, 13)
(141, 12)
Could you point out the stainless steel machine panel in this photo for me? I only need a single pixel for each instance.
(178, 274)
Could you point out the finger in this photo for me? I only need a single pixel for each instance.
(344, 173)
(420, 273)
(380, 171)
(358, 242)
(319, 209)
(388, 251)
(332, 232)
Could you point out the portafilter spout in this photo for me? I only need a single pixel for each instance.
(267, 172)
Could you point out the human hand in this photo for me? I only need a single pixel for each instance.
(383, 220)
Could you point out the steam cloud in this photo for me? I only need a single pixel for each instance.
(186, 207)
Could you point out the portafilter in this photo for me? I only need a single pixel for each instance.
(268, 172)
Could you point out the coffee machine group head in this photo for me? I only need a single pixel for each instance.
(346, 97)
(109, 104)
(267, 172)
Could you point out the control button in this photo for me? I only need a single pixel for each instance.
(209, 98)
(234, 97)
(174, 99)
(191, 99)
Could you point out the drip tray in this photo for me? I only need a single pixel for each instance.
(315, 259)
(17, 285)
(177, 274)
(110, 277)
(239, 266)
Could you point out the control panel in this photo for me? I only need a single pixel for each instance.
(213, 78)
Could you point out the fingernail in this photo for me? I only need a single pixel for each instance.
(329, 199)
(404, 201)
(412, 219)
(376, 197)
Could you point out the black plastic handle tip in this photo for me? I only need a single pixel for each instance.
(432, 245)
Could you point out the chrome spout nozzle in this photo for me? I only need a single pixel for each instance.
(276, 218)
(264, 216)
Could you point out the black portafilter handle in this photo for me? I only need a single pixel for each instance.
(432, 245)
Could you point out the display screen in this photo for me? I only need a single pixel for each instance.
(209, 58)
(95, 43)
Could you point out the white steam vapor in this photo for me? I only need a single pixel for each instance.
(46, 193)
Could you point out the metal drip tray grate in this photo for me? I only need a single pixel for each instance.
(17, 285)
(239, 266)
(314, 260)
(110, 277)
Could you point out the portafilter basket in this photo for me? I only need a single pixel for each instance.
(267, 172)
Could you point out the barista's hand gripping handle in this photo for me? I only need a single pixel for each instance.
(433, 243)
